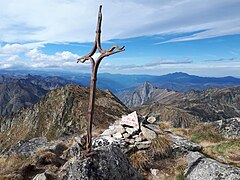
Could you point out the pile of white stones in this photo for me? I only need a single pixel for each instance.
(130, 132)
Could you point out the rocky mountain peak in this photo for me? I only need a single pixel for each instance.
(60, 112)
(144, 94)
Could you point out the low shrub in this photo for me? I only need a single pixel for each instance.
(161, 146)
(139, 160)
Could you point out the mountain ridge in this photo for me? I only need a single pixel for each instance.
(22, 91)
(60, 111)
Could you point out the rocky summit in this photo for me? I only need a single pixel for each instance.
(61, 112)
(124, 150)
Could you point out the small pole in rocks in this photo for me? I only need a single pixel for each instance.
(95, 64)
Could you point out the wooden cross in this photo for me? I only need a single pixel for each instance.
(95, 64)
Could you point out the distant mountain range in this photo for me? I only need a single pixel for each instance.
(18, 90)
(22, 91)
(178, 81)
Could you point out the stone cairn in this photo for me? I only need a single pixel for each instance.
(132, 131)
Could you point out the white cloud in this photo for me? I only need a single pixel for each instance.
(33, 58)
(75, 20)
(16, 48)
(64, 60)
(12, 49)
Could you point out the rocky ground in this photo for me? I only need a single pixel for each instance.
(144, 150)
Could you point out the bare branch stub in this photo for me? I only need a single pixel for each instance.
(95, 64)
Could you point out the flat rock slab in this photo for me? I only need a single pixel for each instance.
(108, 163)
(181, 144)
(113, 130)
(154, 127)
(202, 168)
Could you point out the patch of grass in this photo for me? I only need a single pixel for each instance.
(204, 132)
(139, 160)
(180, 175)
(13, 162)
(45, 157)
(161, 146)
(180, 172)
(181, 131)
(180, 168)
(228, 152)
(164, 125)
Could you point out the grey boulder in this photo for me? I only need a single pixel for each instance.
(202, 168)
(108, 163)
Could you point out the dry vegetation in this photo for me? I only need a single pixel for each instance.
(140, 160)
(164, 125)
(161, 146)
(10, 166)
(20, 167)
(13, 162)
(159, 156)
(214, 144)
(226, 151)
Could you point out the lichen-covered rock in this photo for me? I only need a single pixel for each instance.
(229, 128)
(102, 141)
(202, 168)
(30, 147)
(108, 163)
(183, 145)
(73, 151)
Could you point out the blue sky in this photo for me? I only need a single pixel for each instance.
(199, 37)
